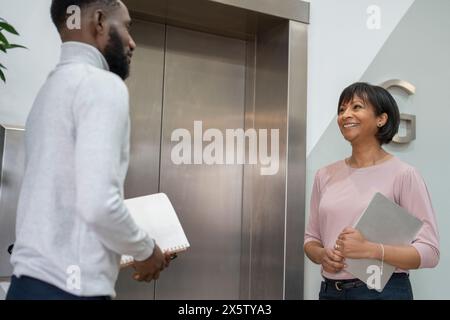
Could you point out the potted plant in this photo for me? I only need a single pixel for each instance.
(4, 43)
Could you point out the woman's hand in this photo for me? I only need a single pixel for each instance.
(332, 260)
(352, 244)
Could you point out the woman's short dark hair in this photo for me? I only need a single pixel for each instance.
(382, 102)
(58, 8)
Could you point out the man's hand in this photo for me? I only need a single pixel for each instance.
(149, 269)
(332, 260)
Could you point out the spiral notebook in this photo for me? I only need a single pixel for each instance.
(156, 215)
(382, 222)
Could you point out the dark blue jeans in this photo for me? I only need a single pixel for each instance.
(27, 288)
(397, 288)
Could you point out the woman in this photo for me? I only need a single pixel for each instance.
(368, 117)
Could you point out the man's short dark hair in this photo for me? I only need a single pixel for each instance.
(381, 100)
(58, 9)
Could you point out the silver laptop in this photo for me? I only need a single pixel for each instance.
(382, 222)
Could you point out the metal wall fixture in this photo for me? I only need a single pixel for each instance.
(409, 119)
(12, 166)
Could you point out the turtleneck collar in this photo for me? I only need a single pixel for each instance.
(80, 52)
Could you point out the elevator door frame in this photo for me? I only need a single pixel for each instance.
(272, 240)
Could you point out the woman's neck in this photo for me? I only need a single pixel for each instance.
(366, 155)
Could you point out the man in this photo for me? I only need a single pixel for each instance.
(72, 224)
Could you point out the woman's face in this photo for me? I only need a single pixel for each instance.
(358, 122)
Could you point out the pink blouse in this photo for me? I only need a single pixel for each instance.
(341, 193)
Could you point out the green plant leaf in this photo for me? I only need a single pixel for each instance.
(2, 66)
(2, 76)
(12, 46)
(3, 39)
(6, 26)
(2, 47)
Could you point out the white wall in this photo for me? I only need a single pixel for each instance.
(341, 47)
(413, 48)
(27, 69)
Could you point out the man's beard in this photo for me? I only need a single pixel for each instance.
(115, 55)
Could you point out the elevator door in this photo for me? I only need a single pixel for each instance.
(201, 77)
(204, 81)
(146, 93)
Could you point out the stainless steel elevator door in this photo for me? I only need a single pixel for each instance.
(204, 81)
(146, 92)
(178, 77)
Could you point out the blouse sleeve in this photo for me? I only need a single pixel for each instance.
(312, 232)
(415, 198)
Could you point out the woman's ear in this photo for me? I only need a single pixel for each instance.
(382, 120)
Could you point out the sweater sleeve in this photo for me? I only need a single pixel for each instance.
(102, 120)
(415, 198)
(312, 232)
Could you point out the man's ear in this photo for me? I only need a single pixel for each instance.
(100, 21)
